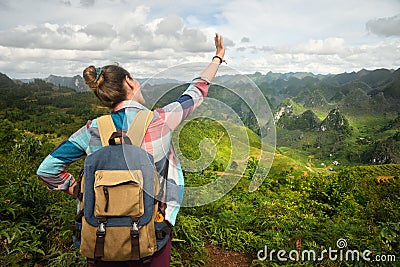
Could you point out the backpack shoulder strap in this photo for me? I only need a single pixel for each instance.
(106, 128)
(139, 126)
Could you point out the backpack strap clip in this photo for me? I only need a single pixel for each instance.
(100, 236)
(135, 239)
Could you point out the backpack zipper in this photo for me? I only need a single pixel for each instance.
(106, 195)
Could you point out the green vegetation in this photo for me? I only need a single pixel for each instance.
(305, 202)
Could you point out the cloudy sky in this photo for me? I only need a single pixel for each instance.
(62, 37)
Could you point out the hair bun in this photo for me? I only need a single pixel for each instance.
(91, 77)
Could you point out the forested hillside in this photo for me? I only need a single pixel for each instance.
(335, 173)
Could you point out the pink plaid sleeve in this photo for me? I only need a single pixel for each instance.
(177, 111)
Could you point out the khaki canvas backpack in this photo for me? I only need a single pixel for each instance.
(118, 197)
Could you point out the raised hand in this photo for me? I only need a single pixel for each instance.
(219, 45)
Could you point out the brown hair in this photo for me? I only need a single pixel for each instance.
(107, 83)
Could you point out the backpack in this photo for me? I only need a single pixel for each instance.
(121, 219)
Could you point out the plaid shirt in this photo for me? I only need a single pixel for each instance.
(157, 142)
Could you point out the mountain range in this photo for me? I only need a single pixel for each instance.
(379, 88)
(77, 83)
(352, 117)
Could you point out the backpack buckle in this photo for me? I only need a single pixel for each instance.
(101, 229)
(135, 247)
(100, 236)
(134, 229)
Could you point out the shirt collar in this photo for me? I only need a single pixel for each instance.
(128, 104)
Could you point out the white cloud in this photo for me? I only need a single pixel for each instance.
(65, 2)
(87, 3)
(329, 46)
(99, 30)
(385, 26)
(134, 32)
(245, 40)
(331, 55)
(54, 36)
(4, 4)
(170, 26)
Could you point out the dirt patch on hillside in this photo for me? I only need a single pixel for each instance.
(218, 257)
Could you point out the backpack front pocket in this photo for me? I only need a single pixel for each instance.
(118, 193)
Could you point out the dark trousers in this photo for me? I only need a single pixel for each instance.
(161, 258)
